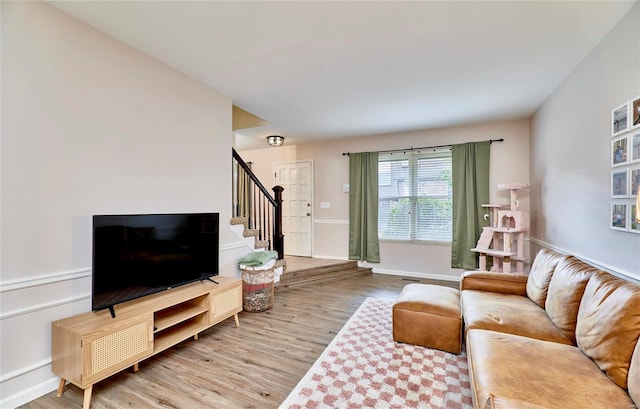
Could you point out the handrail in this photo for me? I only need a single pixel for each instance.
(253, 177)
(252, 201)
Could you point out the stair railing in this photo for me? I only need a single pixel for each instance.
(253, 201)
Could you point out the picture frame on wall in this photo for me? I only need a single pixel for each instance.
(634, 181)
(620, 151)
(619, 216)
(620, 183)
(634, 224)
(620, 119)
(634, 146)
(634, 111)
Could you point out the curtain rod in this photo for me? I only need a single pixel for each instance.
(424, 147)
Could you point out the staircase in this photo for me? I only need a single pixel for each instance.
(301, 271)
(260, 214)
(255, 208)
(247, 232)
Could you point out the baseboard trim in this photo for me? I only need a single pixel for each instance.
(30, 394)
(415, 274)
(602, 266)
(331, 257)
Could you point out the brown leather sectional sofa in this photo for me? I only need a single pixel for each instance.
(563, 337)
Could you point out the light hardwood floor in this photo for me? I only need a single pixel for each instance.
(254, 366)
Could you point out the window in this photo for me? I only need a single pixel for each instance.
(415, 192)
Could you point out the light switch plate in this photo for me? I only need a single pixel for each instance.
(325, 205)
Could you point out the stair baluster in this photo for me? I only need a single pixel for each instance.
(253, 202)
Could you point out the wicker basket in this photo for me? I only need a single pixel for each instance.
(257, 290)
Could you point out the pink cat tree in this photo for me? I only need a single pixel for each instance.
(504, 239)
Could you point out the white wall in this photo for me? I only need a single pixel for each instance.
(570, 154)
(89, 126)
(509, 163)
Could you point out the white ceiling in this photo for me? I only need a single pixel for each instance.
(336, 69)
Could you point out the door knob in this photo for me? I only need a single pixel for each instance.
(308, 213)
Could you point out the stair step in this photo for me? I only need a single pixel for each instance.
(261, 244)
(308, 277)
(238, 220)
(318, 270)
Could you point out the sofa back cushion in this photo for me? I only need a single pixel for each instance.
(608, 324)
(634, 376)
(565, 293)
(540, 275)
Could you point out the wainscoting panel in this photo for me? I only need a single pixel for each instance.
(627, 275)
(27, 308)
(25, 324)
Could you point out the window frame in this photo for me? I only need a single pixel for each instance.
(413, 159)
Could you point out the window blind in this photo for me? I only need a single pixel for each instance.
(415, 196)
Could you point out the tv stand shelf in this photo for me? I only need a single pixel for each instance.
(173, 315)
(90, 347)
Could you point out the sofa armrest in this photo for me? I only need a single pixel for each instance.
(506, 283)
(497, 402)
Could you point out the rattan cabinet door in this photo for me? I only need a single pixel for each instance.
(116, 347)
(226, 302)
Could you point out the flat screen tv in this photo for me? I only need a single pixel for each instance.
(140, 254)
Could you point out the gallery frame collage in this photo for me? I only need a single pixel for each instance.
(625, 165)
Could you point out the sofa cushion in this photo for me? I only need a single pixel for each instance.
(548, 374)
(609, 324)
(513, 314)
(495, 282)
(540, 275)
(565, 293)
(634, 375)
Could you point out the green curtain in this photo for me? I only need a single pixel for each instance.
(363, 207)
(470, 172)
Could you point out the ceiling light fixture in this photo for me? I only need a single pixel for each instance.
(275, 140)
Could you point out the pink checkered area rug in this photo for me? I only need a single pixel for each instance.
(364, 368)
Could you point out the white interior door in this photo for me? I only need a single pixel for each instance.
(297, 180)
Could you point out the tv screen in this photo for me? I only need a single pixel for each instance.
(141, 254)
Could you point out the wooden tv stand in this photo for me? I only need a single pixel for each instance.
(90, 347)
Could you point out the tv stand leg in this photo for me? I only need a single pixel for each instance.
(235, 317)
(61, 387)
(87, 393)
(87, 397)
